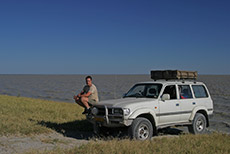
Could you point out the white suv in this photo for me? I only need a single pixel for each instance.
(148, 106)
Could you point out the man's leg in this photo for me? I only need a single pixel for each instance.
(78, 101)
(84, 105)
(84, 101)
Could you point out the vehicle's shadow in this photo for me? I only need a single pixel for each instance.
(78, 129)
(170, 131)
(83, 130)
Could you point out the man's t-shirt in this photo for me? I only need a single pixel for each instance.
(93, 91)
(94, 95)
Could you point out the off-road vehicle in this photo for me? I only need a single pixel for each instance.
(172, 98)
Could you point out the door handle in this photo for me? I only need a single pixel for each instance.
(177, 104)
(193, 103)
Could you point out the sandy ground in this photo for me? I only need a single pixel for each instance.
(52, 141)
(43, 142)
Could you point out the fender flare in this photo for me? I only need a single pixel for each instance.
(196, 109)
(138, 112)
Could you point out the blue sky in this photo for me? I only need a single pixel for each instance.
(114, 36)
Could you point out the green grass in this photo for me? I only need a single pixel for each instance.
(189, 144)
(26, 116)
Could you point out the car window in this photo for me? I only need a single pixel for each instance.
(171, 90)
(152, 91)
(199, 91)
(137, 91)
(144, 90)
(185, 91)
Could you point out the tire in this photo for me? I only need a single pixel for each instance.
(141, 129)
(198, 125)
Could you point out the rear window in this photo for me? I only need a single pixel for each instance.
(199, 91)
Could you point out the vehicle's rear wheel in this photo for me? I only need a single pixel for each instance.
(198, 125)
(141, 129)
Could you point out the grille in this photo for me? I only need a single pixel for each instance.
(101, 112)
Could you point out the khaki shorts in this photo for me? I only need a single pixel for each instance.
(92, 102)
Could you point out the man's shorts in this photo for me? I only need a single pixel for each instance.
(92, 102)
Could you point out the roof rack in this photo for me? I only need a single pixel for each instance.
(173, 75)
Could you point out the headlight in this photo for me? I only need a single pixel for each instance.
(94, 111)
(118, 111)
(126, 111)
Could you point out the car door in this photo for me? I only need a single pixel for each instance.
(187, 102)
(169, 109)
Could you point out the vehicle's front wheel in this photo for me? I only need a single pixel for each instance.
(141, 129)
(198, 125)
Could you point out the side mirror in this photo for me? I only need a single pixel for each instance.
(165, 97)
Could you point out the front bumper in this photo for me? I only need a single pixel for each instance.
(107, 118)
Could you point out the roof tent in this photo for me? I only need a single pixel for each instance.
(173, 74)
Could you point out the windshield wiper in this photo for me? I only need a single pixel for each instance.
(137, 96)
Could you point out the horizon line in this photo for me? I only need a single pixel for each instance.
(88, 74)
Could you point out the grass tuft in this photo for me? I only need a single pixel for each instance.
(26, 116)
(206, 144)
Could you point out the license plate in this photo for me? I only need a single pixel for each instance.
(99, 119)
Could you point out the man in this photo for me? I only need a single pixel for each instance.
(88, 96)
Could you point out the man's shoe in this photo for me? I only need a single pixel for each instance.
(89, 111)
(86, 111)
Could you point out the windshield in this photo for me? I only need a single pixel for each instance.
(145, 90)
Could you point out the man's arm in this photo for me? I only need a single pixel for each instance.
(86, 95)
(81, 93)
(78, 95)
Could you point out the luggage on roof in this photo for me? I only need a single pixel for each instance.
(173, 74)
